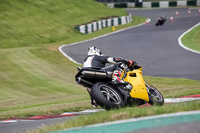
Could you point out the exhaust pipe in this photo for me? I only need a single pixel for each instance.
(95, 75)
(83, 82)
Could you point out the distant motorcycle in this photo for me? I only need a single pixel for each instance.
(110, 96)
(161, 20)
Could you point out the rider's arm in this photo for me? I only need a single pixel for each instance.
(120, 59)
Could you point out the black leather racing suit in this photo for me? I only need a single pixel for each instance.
(96, 61)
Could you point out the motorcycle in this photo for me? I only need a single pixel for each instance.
(161, 21)
(111, 96)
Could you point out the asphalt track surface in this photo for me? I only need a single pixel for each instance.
(156, 49)
(24, 126)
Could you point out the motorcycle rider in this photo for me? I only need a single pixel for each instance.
(162, 19)
(95, 59)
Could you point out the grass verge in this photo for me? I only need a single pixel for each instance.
(35, 78)
(126, 113)
(192, 40)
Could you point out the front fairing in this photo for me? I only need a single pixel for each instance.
(135, 78)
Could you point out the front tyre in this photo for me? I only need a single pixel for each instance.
(155, 97)
(106, 96)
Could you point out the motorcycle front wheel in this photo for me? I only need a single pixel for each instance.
(106, 96)
(155, 97)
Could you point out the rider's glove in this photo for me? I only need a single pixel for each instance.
(132, 63)
(118, 59)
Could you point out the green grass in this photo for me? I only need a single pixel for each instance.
(35, 78)
(35, 23)
(125, 113)
(174, 87)
(192, 40)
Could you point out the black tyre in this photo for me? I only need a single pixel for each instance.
(155, 97)
(106, 96)
(156, 24)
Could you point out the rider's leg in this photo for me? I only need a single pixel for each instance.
(117, 70)
(116, 78)
(93, 102)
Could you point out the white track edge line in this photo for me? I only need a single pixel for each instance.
(180, 42)
(167, 100)
(12, 121)
(71, 59)
(179, 100)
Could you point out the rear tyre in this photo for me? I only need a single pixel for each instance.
(155, 97)
(106, 96)
(156, 24)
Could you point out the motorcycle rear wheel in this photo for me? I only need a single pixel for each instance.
(157, 24)
(106, 96)
(155, 97)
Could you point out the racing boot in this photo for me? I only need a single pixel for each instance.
(116, 78)
(93, 102)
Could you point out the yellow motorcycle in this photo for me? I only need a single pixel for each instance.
(111, 96)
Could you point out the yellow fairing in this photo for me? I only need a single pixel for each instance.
(139, 90)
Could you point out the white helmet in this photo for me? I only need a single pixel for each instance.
(94, 51)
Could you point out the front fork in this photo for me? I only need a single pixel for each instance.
(147, 87)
